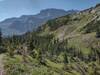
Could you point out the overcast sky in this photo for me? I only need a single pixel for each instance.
(15, 8)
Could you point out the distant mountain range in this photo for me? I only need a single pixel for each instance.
(26, 23)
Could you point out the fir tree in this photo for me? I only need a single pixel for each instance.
(98, 32)
(0, 37)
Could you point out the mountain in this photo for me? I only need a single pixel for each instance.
(81, 30)
(86, 21)
(29, 22)
(67, 45)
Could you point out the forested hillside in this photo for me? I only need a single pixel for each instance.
(69, 45)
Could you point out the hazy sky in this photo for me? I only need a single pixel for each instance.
(13, 8)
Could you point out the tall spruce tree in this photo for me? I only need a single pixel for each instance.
(98, 32)
(0, 37)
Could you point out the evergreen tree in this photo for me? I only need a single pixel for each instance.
(2, 48)
(0, 37)
(98, 32)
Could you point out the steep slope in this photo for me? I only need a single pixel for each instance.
(72, 25)
(63, 46)
(29, 22)
(79, 29)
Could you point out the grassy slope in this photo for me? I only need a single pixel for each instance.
(68, 27)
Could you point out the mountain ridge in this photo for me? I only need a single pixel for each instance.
(26, 23)
(67, 26)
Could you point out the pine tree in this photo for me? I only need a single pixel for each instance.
(98, 32)
(2, 49)
(0, 37)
